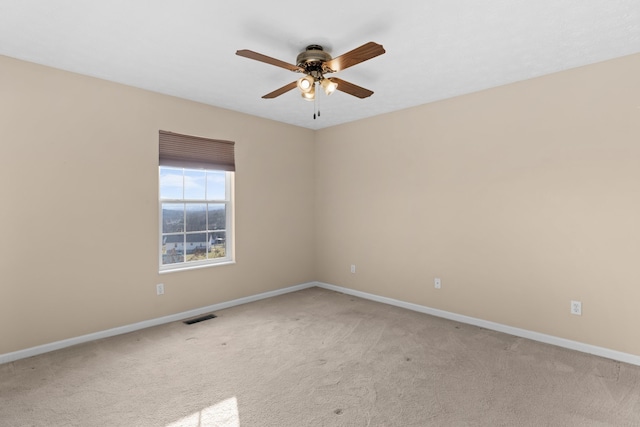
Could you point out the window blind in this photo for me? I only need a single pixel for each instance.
(196, 152)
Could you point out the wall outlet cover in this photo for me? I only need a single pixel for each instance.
(576, 308)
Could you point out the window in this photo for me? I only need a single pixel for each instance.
(196, 203)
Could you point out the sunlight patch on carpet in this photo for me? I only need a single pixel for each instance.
(223, 414)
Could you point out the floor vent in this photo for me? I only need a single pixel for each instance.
(199, 319)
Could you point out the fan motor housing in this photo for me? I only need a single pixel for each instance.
(313, 55)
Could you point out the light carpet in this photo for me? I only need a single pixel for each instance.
(318, 358)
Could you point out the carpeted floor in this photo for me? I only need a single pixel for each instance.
(318, 358)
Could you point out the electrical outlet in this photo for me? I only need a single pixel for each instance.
(353, 268)
(160, 289)
(576, 308)
(437, 283)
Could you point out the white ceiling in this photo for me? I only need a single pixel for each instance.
(436, 49)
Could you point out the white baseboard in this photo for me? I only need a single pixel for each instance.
(536, 336)
(45, 348)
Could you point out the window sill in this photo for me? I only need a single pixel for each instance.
(196, 267)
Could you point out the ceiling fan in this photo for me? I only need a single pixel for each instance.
(315, 63)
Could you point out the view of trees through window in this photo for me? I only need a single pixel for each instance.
(194, 207)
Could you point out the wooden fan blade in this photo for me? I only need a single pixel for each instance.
(351, 89)
(356, 56)
(267, 59)
(284, 89)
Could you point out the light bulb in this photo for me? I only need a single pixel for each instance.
(329, 86)
(309, 96)
(305, 84)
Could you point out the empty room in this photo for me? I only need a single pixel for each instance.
(342, 214)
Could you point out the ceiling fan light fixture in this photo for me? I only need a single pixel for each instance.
(329, 86)
(313, 63)
(309, 95)
(305, 84)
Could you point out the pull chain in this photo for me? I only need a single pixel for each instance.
(315, 100)
(318, 109)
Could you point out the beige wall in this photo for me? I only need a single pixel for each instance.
(79, 216)
(521, 198)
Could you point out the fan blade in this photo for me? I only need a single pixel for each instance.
(356, 56)
(267, 59)
(351, 89)
(284, 89)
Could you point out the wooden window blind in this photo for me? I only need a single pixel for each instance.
(196, 152)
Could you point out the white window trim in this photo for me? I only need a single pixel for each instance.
(229, 257)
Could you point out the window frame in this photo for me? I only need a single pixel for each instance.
(228, 202)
